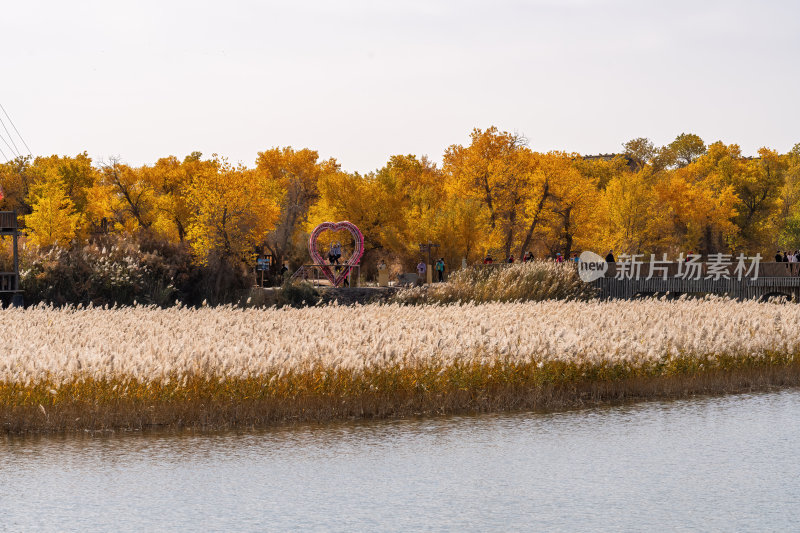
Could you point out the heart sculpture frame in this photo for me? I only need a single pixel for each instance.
(347, 266)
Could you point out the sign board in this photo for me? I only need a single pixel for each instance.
(263, 263)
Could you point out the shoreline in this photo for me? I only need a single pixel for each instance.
(101, 411)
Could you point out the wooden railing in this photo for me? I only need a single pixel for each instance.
(8, 221)
(313, 274)
(8, 282)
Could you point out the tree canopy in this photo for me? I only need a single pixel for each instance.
(496, 194)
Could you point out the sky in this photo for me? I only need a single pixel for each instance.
(361, 81)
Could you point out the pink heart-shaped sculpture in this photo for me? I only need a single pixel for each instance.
(355, 257)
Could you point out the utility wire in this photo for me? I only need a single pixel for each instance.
(9, 147)
(4, 155)
(21, 138)
(11, 138)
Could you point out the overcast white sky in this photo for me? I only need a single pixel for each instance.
(361, 81)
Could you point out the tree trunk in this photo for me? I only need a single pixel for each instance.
(537, 215)
(567, 234)
(488, 194)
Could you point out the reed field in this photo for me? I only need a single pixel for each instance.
(215, 367)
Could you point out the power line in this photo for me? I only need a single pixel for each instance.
(4, 155)
(21, 138)
(9, 147)
(15, 150)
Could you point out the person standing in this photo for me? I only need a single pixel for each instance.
(510, 259)
(610, 256)
(383, 274)
(337, 251)
(440, 269)
(778, 257)
(421, 270)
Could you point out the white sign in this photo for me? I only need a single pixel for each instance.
(591, 266)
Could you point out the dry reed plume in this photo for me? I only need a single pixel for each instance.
(142, 366)
(535, 281)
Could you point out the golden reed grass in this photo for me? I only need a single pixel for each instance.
(141, 367)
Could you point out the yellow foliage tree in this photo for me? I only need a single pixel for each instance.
(124, 195)
(634, 221)
(76, 174)
(53, 220)
(297, 173)
(789, 203)
(234, 209)
(359, 199)
(499, 170)
(701, 212)
(15, 183)
(169, 181)
(572, 215)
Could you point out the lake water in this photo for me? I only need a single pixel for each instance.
(727, 463)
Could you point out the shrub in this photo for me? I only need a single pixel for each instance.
(107, 272)
(298, 294)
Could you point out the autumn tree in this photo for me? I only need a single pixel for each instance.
(123, 195)
(407, 202)
(15, 182)
(789, 210)
(640, 150)
(233, 210)
(687, 147)
(461, 228)
(169, 181)
(359, 199)
(758, 184)
(415, 189)
(76, 174)
(53, 220)
(573, 216)
(548, 171)
(700, 211)
(297, 174)
(497, 168)
(633, 217)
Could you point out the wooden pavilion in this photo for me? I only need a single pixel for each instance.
(9, 281)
